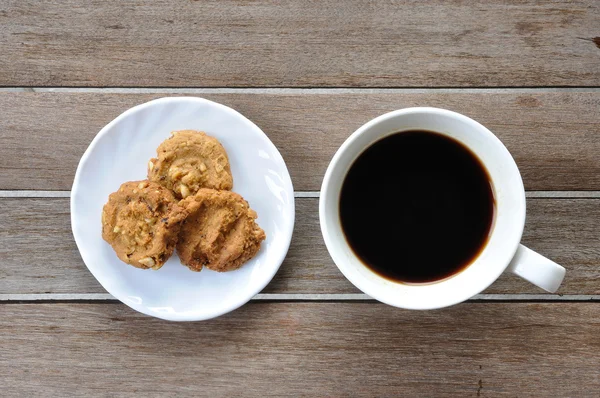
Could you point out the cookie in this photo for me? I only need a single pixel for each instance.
(219, 233)
(141, 222)
(188, 161)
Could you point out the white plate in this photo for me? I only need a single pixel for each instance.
(120, 152)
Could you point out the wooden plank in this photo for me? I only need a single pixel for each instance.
(38, 254)
(299, 43)
(303, 349)
(554, 137)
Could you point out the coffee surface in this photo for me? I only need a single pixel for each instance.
(417, 207)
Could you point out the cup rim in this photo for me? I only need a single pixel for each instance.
(401, 301)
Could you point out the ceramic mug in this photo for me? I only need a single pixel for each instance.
(502, 251)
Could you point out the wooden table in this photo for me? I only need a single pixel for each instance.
(308, 73)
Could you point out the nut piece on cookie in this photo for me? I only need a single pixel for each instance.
(219, 233)
(190, 160)
(141, 222)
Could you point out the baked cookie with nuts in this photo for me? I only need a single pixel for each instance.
(141, 222)
(220, 231)
(190, 160)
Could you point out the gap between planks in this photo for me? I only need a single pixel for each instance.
(295, 297)
(292, 91)
(310, 194)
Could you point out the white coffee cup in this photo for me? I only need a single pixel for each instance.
(502, 251)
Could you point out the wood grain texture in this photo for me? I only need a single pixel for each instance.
(38, 254)
(554, 137)
(299, 43)
(303, 349)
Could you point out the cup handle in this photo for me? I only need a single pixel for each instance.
(537, 269)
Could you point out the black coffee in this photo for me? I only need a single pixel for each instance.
(417, 207)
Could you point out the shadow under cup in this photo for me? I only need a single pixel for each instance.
(505, 231)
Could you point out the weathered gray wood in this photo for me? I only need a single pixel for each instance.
(554, 137)
(38, 254)
(303, 349)
(299, 43)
